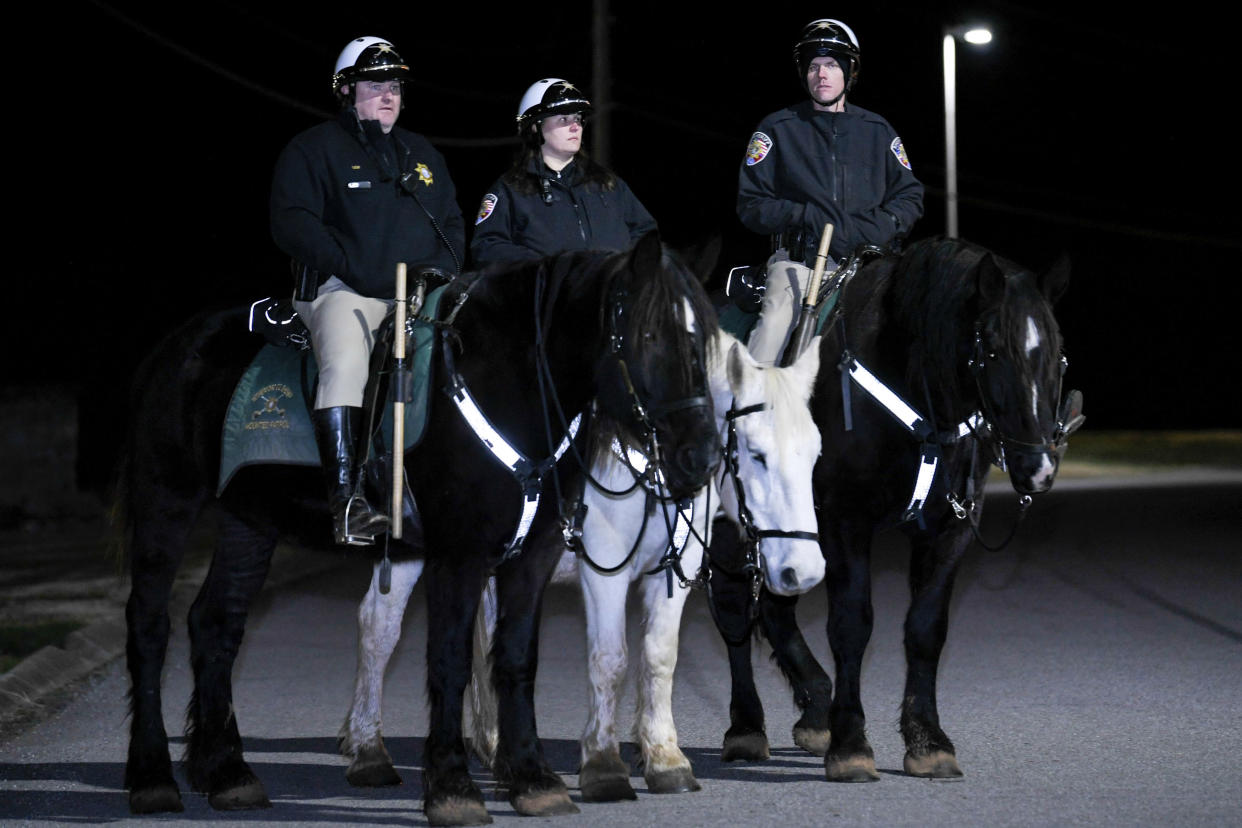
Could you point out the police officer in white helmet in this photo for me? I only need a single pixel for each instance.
(351, 198)
(555, 197)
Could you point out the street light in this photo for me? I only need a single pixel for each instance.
(977, 36)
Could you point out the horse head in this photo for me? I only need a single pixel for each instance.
(773, 445)
(1018, 364)
(653, 376)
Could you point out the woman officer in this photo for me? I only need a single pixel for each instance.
(554, 198)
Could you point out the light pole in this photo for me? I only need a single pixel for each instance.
(978, 36)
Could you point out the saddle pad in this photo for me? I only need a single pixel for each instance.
(268, 420)
(739, 323)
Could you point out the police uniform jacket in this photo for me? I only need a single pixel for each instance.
(338, 205)
(564, 212)
(805, 168)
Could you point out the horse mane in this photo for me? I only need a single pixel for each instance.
(653, 295)
(934, 296)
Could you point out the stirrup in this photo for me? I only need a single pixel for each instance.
(341, 528)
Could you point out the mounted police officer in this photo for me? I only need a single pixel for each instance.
(351, 198)
(555, 198)
(822, 161)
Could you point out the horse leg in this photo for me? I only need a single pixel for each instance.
(379, 629)
(850, 617)
(812, 688)
(484, 732)
(217, 622)
(534, 789)
(450, 796)
(730, 599)
(933, 566)
(604, 776)
(156, 551)
(665, 768)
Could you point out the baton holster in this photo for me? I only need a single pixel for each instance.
(306, 281)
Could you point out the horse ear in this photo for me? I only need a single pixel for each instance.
(701, 258)
(991, 280)
(1053, 283)
(648, 252)
(740, 366)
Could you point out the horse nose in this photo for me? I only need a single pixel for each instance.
(1035, 477)
(697, 461)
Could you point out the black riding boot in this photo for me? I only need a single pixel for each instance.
(354, 522)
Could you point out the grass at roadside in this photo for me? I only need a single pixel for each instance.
(1103, 451)
(20, 640)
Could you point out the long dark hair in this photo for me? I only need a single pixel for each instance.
(529, 157)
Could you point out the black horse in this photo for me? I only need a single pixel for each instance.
(966, 344)
(533, 344)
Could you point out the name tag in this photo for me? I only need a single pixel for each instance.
(359, 185)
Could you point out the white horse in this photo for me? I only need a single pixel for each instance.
(777, 445)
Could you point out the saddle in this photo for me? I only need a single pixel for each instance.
(268, 419)
(747, 285)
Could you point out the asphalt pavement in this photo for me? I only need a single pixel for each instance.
(1091, 677)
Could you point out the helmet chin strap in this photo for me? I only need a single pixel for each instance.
(831, 103)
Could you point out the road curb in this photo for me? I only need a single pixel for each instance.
(26, 689)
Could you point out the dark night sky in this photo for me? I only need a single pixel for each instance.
(1079, 131)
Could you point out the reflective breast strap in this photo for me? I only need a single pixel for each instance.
(529, 475)
(915, 423)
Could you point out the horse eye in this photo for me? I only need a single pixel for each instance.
(760, 458)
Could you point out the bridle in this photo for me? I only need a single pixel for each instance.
(529, 473)
(1069, 417)
(754, 565)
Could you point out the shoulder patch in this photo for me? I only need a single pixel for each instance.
(486, 207)
(899, 150)
(758, 149)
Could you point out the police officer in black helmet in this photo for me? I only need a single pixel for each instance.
(821, 161)
(351, 198)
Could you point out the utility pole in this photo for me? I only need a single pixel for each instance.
(601, 83)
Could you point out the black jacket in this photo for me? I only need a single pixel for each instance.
(805, 168)
(576, 215)
(337, 204)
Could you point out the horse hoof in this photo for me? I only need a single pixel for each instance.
(813, 740)
(935, 765)
(605, 778)
(372, 768)
(747, 747)
(243, 797)
(676, 780)
(543, 803)
(456, 810)
(851, 769)
(156, 799)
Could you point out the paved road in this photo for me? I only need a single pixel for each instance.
(1092, 677)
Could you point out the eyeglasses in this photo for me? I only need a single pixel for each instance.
(380, 87)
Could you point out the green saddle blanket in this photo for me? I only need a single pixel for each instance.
(268, 421)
